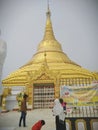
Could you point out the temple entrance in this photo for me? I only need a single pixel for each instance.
(43, 95)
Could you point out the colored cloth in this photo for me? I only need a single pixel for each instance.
(58, 110)
(59, 114)
(37, 126)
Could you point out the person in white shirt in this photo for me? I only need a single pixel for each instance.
(59, 114)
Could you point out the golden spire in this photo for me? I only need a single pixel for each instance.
(48, 29)
(49, 43)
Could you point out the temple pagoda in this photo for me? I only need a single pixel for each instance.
(48, 70)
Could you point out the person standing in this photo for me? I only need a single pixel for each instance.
(23, 110)
(59, 114)
(38, 125)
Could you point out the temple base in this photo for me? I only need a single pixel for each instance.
(82, 123)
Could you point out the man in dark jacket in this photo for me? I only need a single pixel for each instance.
(23, 110)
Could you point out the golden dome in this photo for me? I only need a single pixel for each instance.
(51, 47)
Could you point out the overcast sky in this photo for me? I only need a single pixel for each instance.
(75, 25)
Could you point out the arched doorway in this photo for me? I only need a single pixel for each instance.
(43, 95)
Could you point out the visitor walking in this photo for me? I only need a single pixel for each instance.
(38, 125)
(23, 110)
(59, 114)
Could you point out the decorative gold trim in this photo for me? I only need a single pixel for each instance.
(92, 121)
(69, 122)
(80, 120)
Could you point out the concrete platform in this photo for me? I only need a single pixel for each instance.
(10, 120)
(7, 128)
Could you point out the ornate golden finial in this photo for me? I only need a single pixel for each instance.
(48, 11)
(49, 35)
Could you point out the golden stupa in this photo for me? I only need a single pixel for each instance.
(48, 69)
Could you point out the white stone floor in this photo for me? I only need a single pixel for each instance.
(10, 120)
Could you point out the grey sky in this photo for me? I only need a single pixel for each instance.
(75, 25)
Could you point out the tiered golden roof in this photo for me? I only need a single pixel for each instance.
(49, 63)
